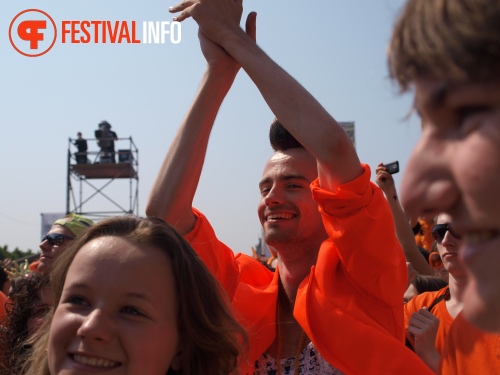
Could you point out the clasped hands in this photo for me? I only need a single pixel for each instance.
(217, 19)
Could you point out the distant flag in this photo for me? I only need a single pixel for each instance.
(349, 129)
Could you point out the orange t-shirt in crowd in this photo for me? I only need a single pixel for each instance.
(439, 311)
(3, 300)
(350, 305)
(469, 350)
(34, 265)
(424, 237)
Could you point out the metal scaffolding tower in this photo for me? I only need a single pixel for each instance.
(91, 172)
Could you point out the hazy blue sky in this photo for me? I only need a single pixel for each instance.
(336, 49)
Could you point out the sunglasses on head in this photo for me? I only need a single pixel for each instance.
(439, 231)
(435, 260)
(56, 239)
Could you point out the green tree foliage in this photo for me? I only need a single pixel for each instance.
(15, 254)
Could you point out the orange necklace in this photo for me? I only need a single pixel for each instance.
(280, 345)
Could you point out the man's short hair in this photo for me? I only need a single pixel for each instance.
(280, 138)
(458, 40)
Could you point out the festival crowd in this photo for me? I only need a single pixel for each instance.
(367, 281)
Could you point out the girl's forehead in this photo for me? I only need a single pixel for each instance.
(113, 265)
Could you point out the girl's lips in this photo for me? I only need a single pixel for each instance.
(94, 362)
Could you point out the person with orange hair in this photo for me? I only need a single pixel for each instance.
(423, 236)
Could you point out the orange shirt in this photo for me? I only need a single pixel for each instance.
(470, 351)
(439, 311)
(34, 265)
(349, 305)
(424, 237)
(3, 300)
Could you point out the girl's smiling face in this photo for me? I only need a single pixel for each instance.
(117, 313)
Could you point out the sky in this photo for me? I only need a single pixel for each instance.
(336, 49)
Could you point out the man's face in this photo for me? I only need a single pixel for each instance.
(448, 249)
(51, 250)
(455, 168)
(287, 212)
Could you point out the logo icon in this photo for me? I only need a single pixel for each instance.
(32, 33)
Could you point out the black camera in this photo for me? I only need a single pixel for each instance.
(392, 167)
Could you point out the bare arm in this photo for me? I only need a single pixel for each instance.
(175, 186)
(403, 230)
(292, 104)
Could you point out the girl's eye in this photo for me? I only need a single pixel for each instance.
(131, 311)
(76, 300)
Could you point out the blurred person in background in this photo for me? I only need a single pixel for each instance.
(429, 315)
(448, 52)
(60, 235)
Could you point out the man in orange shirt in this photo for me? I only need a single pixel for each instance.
(449, 52)
(428, 316)
(469, 350)
(341, 273)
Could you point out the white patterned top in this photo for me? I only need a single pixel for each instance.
(310, 363)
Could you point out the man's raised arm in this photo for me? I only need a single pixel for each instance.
(292, 104)
(175, 186)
